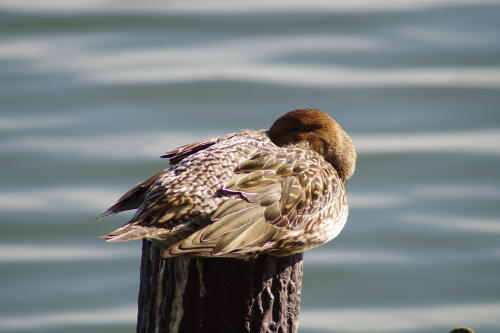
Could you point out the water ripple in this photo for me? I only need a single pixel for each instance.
(305, 75)
(478, 141)
(229, 7)
(354, 257)
(456, 223)
(402, 319)
(119, 315)
(34, 122)
(58, 199)
(51, 253)
(373, 319)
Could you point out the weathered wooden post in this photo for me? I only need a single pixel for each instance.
(189, 295)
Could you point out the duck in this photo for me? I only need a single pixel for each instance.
(279, 191)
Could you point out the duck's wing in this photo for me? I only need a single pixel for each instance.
(135, 196)
(177, 154)
(274, 194)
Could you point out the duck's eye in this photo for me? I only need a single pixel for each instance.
(295, 129)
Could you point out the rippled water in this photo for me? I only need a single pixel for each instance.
(93, 91)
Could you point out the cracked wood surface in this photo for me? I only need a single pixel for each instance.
(186, 294)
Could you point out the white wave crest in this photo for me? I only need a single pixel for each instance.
(438, 318)
(373, 319)
(50, 253)
(305, 75)
(324, 257)
(33, 122)
(456, 223)
(478, 141)
(241, 60)
(121, 146)
(119, 315)
(219, 7)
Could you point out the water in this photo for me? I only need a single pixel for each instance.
(93, 91)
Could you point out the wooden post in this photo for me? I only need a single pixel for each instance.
(191, 295)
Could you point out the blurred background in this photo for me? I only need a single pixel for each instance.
(93, 91)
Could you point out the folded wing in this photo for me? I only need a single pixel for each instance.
(147, 194)
(273, 195)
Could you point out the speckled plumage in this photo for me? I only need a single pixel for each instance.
(245, 193)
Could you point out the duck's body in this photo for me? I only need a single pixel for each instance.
(242, 194)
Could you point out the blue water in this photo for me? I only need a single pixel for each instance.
(92, 92)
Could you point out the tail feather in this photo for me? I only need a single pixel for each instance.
(132, 199)
(132, 232)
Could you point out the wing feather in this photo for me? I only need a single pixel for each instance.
(159, 210)
(179, 153)
(271, 196)
(131, 232)
(135, 196)
(132, 199)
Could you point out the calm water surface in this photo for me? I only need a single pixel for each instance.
(92, 92)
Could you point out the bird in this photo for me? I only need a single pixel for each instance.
(279, 191)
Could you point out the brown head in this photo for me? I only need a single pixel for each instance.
(323, 134)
